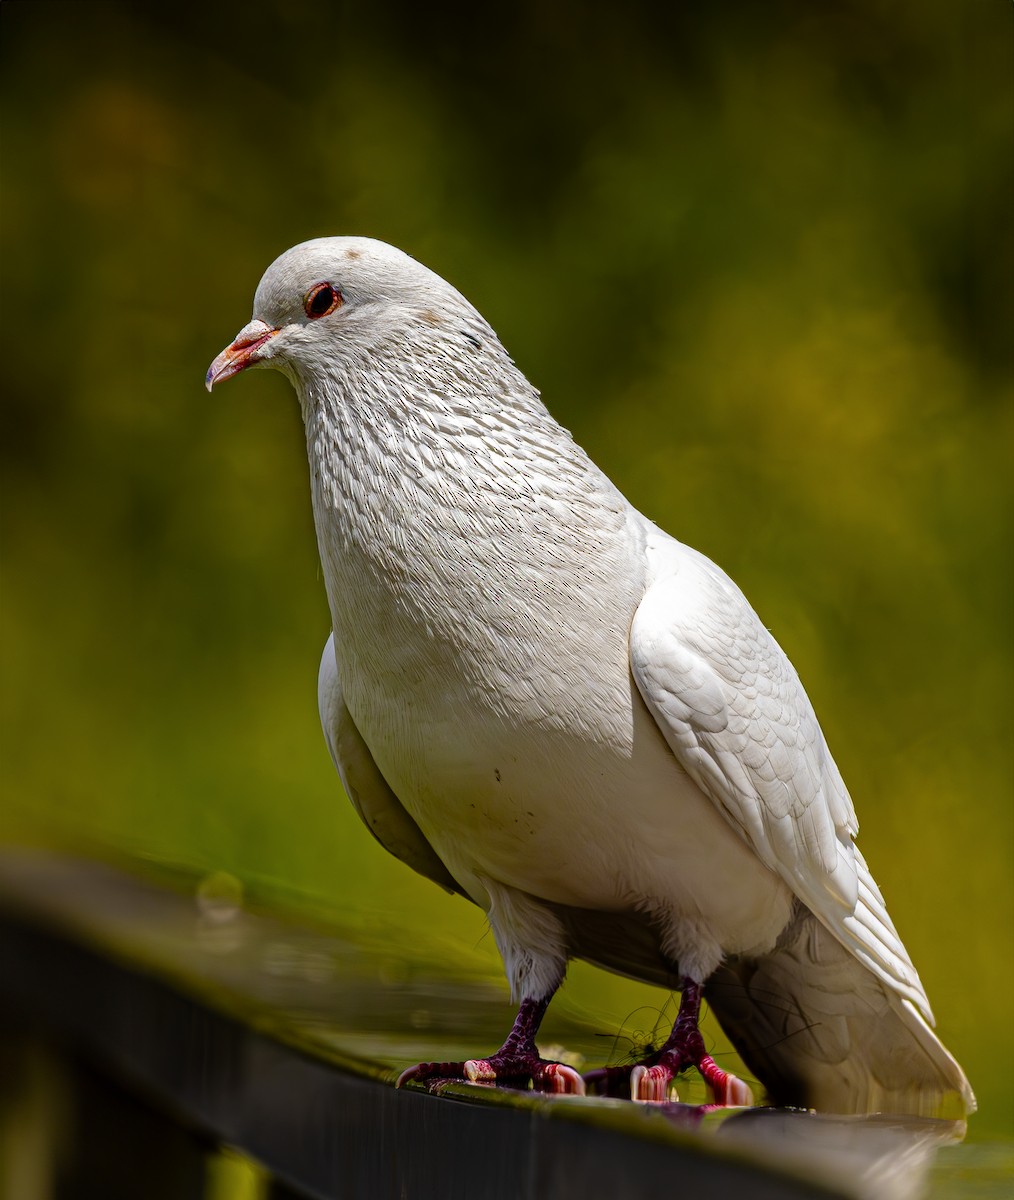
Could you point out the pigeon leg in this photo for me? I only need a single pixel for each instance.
(516, 1061)
(650, 1080)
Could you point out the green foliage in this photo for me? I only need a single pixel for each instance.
(758, 257)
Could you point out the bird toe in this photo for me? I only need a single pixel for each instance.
(651, 1085)
(733, 1093)
(560, 1080)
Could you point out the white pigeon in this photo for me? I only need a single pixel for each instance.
(537, 698)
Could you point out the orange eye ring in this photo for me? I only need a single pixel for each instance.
(321, 301)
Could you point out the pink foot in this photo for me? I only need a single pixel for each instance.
(552, 1077)
(651, 1082)
(654, 1084)
(517, 1061)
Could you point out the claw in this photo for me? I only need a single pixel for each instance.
(732, 1092)
(559, 1080)
(478, 1070)
(728, 1090)
(651, 1085)
(427, 1071)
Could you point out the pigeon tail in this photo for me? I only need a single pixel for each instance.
(820, 1030)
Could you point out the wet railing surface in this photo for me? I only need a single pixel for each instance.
(160, 1044)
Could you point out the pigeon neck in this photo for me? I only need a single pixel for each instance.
(439, 512)
(462, 440)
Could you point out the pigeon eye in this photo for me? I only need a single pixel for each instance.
(321, 300)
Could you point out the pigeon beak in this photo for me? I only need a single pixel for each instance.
(241, 354)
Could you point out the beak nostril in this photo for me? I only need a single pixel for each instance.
(250, 341)
(240, 354)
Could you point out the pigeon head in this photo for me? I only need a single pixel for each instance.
(332, 300)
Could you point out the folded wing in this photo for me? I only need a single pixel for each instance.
(735, 714)
(378, 807)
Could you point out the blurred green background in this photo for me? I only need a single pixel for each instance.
(758, 258)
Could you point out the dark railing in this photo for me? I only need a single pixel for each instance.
(152, 1048)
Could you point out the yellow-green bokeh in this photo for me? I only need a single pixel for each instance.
(757, 257)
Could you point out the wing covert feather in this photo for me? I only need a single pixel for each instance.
(735, 714)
